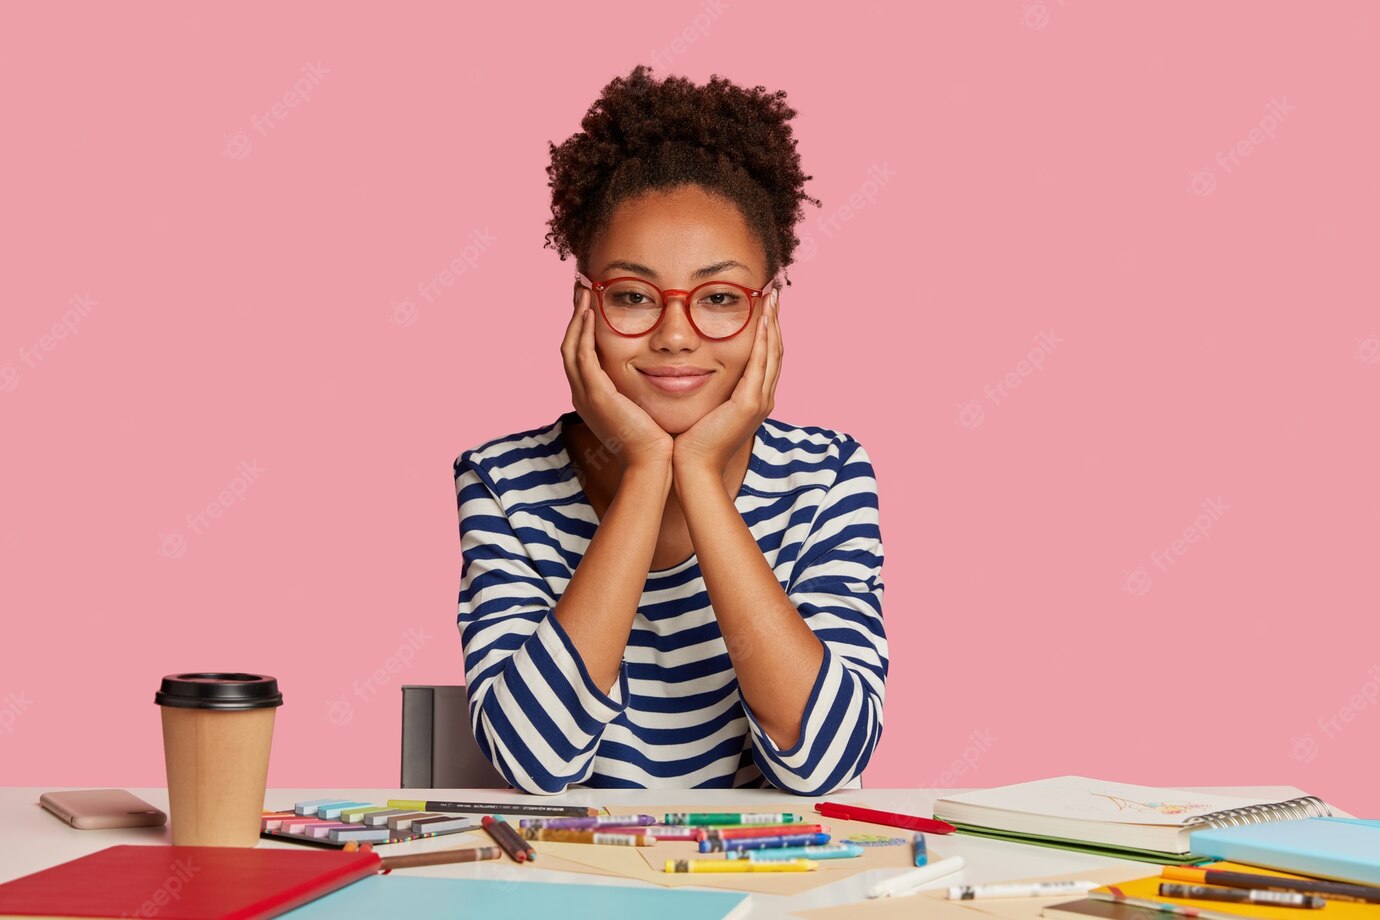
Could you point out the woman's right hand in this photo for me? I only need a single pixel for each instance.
(621, 425)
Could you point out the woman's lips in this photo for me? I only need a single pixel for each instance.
(683, 384)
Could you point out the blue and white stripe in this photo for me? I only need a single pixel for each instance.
(674, 717)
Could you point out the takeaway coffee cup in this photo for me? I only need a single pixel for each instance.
(217, 729)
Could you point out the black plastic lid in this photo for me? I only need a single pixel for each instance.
(212, 690)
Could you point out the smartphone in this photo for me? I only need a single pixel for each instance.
(93, 809)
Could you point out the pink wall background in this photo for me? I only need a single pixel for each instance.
(1112, 341)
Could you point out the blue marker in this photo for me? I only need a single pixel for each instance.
(918, 847)
(761, 843)
(828, 851)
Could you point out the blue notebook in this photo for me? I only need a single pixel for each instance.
(380, 896)
(1346, 849)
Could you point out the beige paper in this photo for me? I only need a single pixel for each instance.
(648, 863)
(217, 763)
(934, 902)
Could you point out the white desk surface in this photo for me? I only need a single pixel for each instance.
(34, 839)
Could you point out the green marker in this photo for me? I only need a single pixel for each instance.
(703, 818)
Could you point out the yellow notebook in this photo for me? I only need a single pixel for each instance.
(1149, 889)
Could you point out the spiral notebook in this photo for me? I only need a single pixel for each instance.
(1116, 819)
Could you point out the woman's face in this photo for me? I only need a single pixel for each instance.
(665, 237)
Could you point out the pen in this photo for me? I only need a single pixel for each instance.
(908, 882)
(740, 865)
(1018, 890)
(918, 850)
(1333, 891)
(891, 819)
(1241, 895)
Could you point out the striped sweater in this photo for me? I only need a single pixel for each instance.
(674, 717)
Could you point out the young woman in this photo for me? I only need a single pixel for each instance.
(666, 587)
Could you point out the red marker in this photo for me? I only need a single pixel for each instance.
(872, 816)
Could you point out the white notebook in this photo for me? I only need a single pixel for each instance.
(1078, 810)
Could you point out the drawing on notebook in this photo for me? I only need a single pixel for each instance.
(1163, 808)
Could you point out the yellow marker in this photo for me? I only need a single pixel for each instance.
(740, 865)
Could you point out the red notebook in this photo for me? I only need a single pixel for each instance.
(184, 883)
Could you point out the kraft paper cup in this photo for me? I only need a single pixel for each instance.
(217, 731)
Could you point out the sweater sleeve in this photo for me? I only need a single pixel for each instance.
(837, 587)
(535, 711)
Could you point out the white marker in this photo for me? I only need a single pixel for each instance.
(909, 882)
(1029, 890)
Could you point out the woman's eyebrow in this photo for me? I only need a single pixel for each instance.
(708, 271)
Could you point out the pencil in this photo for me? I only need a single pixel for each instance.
(517, 849)
(439, 858)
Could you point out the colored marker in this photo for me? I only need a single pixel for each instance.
(767, 830)
(498, 808)
(828, 851)
(740, 865)
(919, 851)
(760, 843)
(606, 837)
(701, 818)
(581, 824)
(1019, 890)
(1241, 895)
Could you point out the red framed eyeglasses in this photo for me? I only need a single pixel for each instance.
(633, 307)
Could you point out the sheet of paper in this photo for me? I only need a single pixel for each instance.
(647, 863)
(934, 902)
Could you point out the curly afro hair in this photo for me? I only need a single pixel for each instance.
(642, 135)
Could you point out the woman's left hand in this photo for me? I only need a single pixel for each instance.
(710, 443)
